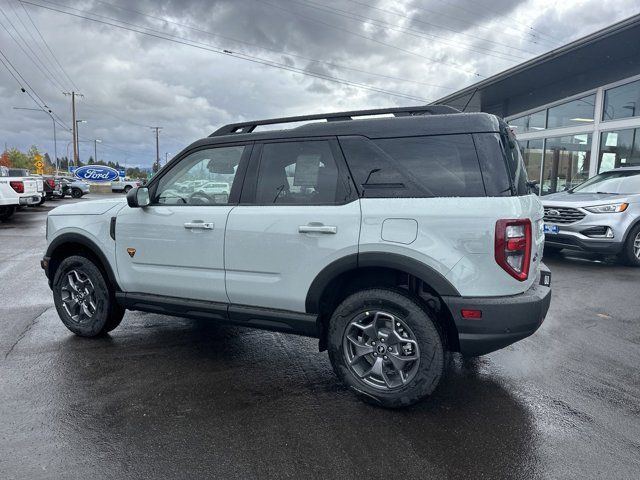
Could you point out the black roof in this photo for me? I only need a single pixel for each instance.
(386, 127)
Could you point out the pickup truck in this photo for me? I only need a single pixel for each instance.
(124, 184)
(16, 192)
(23, 172)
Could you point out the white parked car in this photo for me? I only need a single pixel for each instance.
(15, 192)
(391, 240)
(124, 184)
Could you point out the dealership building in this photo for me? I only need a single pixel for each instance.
(575, 110)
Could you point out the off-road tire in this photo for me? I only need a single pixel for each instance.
(415, 315)
(108, 314)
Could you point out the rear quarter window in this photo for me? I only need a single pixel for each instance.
(426, 166)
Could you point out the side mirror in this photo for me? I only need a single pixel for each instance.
(138, 197)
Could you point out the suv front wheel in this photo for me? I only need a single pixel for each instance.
(385, 345)
(83, 299)
(631, 253)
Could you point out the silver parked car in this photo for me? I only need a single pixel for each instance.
(600, 215)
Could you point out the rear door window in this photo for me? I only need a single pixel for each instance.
(427, 166)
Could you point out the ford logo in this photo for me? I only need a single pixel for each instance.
(96, 173)
(553, 212)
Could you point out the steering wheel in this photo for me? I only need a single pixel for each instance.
(201, 195)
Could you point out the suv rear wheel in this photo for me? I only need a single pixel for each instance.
(83, 299)
(385, 345)
(76, 193)
(631, 251)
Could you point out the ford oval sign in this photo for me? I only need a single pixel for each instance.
(96, 173)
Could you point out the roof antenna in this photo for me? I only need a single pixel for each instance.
(470, 98)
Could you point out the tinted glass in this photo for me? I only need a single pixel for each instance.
(620, 148)
(297, 173)
(374, 172)
(566, 162)
(492, 161)
(515, 163)
(626, 182)
(532, 155)
(622, 101)
(576, 112)
(529, 123)
(441, 165)
(204, 177)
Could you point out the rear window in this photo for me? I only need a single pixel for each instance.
(428, 166)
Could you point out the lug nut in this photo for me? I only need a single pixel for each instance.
(382, 339)
(375, 354)
(373, 344)
(385, 357)
(391, 349)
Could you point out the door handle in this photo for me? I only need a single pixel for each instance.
(331, 229)
(199, 225)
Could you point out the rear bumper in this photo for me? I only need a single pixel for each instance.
(505, 320)
(30, 200)
(573, 242)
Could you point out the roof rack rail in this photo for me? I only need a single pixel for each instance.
(248, 127)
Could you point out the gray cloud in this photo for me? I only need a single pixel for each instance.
(132, 81)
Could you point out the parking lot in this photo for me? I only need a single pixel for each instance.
(171, 398)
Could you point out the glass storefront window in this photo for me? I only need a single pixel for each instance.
(566, 162)
(576, 112)
(622, 101)
(619, 148)
(529, 123)
(532, 156)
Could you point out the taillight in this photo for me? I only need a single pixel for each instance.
(51, 182)
(17, 185)
(513, 247)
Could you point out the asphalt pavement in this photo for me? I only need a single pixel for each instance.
(171, 398)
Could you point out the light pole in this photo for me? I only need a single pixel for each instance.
(53, 120)
(96, 141)
(78, 140)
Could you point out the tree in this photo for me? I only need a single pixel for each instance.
(4, 160)
(17, 159)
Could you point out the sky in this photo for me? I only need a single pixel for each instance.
(203, 63)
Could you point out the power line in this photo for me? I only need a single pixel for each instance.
(37, 44)
(210, 48)
(473, 24)
(243, 42)
(62, 69)
(22, 81)
(335, 11)
(372, 39)
(37, 62)
(530, 27)
(553, 42)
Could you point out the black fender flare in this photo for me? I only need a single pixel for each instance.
(89, 244)
(424, 272)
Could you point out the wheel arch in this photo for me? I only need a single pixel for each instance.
(378, 269)
(71, 243)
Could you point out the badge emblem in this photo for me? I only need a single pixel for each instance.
(131, 252)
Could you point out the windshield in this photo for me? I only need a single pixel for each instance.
(625, 182)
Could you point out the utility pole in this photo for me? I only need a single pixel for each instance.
(75, 125)
(55, 140)
(157, 129)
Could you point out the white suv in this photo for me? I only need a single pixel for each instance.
(392, 240)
